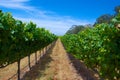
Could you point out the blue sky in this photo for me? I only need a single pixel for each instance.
(58, 15)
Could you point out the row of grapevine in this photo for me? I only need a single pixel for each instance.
(18, 39)
(98, 47)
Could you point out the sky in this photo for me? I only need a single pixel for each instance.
(58, 15)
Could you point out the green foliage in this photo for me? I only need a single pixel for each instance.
(98, 47)
(18, 39)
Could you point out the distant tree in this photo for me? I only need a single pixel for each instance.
(117, 9)
(106, 18)
(75, 29)
(0, 10)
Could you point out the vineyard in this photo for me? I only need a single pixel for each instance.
(98, 47)
(18, 40)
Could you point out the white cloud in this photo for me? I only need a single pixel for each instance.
(16, 4)
(48, 19)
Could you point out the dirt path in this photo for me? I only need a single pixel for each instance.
(55, 65)
(61, 64)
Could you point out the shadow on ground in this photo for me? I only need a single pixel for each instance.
(38, 69)
(82, 70)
